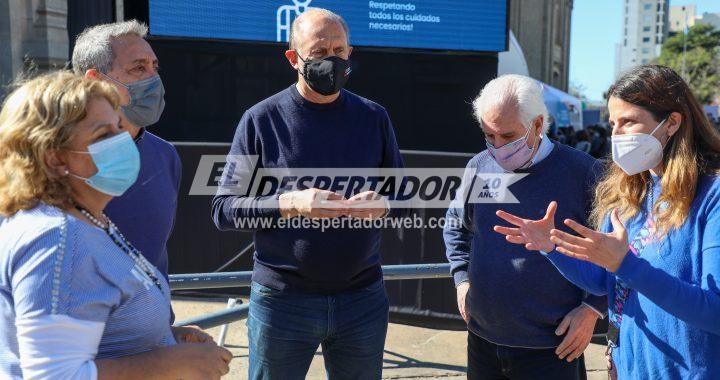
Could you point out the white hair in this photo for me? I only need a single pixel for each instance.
(93, 47)
(513, 90)
(319, 11)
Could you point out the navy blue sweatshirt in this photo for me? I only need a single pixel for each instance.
(288, 131)
(516, 297)
(145, 213)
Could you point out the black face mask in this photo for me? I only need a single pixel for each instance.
(326, 76)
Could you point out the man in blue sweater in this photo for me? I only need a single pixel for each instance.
(525, 321)
(119, 54)
(311, 287)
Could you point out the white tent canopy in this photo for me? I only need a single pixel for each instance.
(513, 60)
(563, 107)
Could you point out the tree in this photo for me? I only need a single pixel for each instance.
(702, 68)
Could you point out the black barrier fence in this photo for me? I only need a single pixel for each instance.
(232, 314)
(196, 246)
(210, 84)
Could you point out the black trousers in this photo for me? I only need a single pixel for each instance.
(489, 361)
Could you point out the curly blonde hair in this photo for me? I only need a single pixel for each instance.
(36, 118)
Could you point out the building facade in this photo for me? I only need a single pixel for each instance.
(542, 27)
(686, 16)
(33, 35)
(681, 17)
(37, 35)
(645, 29)
(712, 19)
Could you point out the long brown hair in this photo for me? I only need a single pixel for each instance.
(688, 154)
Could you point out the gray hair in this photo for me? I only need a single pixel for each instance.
(514, 90)
(321, 11)
(93, 47)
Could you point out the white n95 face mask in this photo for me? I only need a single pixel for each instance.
(637, 152)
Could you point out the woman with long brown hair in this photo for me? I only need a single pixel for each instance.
(657, 251)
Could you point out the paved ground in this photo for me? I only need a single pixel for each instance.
(410, 352)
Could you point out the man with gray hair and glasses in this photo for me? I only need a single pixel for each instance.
(525, 320)
(119, 54)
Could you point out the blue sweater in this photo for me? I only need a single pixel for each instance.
(516, 297)
(145, 214)
(287, 131)
(671, 319)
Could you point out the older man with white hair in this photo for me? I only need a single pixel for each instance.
(119, 54)
(525, 321)
(313, 287)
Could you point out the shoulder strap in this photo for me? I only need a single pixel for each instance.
(622, 291)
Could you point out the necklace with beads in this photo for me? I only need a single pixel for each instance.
(117, 237)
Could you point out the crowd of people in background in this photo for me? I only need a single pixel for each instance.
(595, 139)
(714, 120)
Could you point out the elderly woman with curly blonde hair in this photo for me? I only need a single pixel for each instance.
(77, 300)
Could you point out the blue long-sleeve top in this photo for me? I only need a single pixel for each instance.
(671, 318)
(516, 297)
(287, 131)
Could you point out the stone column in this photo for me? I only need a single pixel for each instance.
(33, 37)
(6, 57)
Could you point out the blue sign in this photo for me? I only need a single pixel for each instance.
(475, 25)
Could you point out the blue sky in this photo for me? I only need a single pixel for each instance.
(596, 28)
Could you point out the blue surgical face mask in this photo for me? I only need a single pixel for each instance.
(147, 100)
(118, 162)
